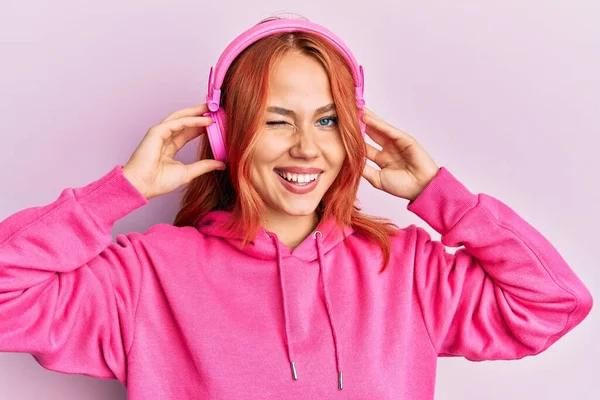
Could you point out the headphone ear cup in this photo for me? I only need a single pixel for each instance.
(216, 134)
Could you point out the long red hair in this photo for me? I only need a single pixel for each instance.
(244, 90)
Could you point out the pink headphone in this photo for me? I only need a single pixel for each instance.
(216, 131)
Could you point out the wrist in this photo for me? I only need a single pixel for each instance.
(135, 182)
(426, 183)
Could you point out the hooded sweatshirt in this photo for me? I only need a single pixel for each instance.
(188, 313)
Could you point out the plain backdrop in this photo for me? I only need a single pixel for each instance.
(505, 94)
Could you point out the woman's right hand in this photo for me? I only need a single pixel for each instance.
(152, 169)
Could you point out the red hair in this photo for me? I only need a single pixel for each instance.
(244, 90)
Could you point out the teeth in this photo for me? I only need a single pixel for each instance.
(299, 178)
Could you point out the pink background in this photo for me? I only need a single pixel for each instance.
(503, 93)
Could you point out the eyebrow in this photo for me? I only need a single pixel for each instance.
(291, 113)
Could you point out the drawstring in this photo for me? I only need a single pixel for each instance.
(329, 311)
(285, 311)
(327, 303)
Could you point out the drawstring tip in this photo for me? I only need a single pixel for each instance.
(294, 374)
(340, 380)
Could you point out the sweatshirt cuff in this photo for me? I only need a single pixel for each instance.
(443, 202)
(110, 198)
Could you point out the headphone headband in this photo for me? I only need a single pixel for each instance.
(264, 29)
(217, 130)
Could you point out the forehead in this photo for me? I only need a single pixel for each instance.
(298, 79)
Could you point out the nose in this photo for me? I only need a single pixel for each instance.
(306, 144)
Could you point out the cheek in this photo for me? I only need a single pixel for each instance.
(336, 153)
(270, 148)
(268, 151)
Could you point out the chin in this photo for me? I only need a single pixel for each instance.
(298, 209)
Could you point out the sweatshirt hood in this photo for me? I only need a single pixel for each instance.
(266, 246)
(263, 247)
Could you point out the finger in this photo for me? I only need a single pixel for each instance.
(181, 138)
(372, 176)
(170, 128)
(373, 121)
(372, 114)
(176, 142)
(377, 137)
(201, 167)
(188, 112)
(381, 132)
(373, 154)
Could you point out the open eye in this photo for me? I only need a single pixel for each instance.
(328, 121)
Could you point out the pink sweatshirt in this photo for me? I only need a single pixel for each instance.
(185, 313)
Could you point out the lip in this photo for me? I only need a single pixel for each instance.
(299, 189)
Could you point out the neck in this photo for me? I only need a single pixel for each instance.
(291, 229)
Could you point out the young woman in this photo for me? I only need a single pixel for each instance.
(271, 283)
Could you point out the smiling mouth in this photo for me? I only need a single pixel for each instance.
(298, 179)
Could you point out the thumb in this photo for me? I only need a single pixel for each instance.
(201, 167)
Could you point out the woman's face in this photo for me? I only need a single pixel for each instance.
(300, 151)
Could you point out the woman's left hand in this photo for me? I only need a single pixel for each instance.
(406, 168)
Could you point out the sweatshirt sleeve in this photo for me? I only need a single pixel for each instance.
(68, 293)
(506, 294)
